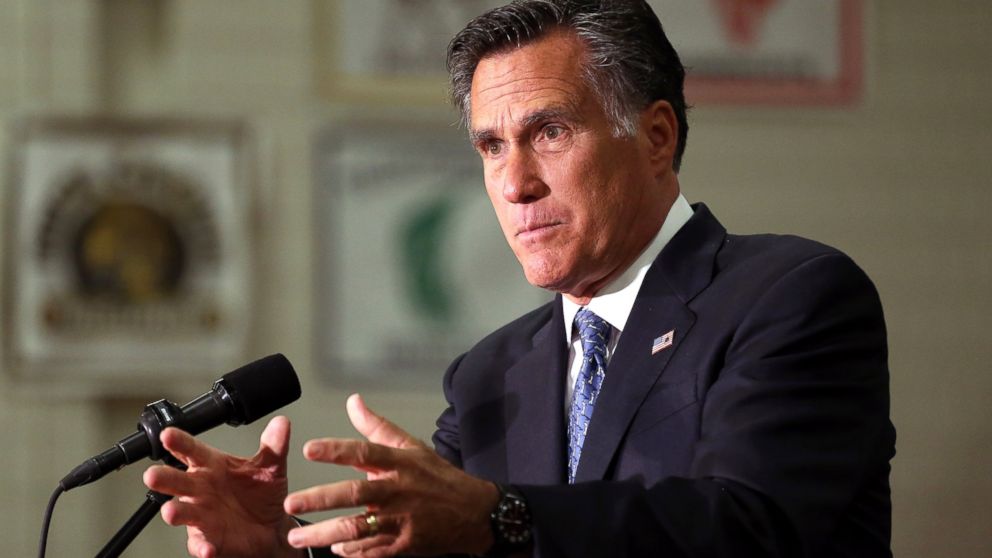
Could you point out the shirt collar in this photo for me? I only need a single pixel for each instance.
(614, 302)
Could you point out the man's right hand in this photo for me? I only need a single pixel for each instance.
(231, 506)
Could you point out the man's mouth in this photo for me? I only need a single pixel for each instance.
(534, 232)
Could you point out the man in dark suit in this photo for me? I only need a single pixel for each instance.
(687, 393)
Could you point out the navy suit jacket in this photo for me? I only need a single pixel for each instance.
(763, 430)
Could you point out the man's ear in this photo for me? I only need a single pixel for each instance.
(661, 130)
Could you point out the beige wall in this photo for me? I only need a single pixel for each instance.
(902, 183)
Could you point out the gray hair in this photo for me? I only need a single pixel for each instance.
(629, 62)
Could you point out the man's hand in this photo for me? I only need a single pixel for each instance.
(422, 504)
(231, 506)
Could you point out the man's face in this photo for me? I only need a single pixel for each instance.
(576, 204)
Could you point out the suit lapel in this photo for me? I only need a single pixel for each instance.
(679, 273)
(535, 406)
(631, 373)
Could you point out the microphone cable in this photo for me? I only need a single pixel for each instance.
(48, 519)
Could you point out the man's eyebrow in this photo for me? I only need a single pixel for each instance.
(481, 136)
(550, 113)
(536, 117)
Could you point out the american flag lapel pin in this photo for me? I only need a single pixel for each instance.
(663, 342)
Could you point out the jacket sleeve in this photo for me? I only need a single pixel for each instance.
(445, 438)
(795, 435)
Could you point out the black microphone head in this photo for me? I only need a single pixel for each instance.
(258, 388)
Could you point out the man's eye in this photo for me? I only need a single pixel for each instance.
(552, 132)
(493, 148)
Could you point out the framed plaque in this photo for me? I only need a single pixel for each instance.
(388, 49)
(412, 265)
(127, 251)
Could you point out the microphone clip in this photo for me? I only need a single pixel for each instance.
(155, 418)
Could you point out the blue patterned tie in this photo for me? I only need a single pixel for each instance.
(595, 334)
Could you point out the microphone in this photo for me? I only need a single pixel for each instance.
(239, 397)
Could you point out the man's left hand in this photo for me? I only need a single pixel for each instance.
(421, 504)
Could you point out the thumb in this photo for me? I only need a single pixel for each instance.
(375, 428)
(273, 446)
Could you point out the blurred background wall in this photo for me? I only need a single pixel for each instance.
(900, 181)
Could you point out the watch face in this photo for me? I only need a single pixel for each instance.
(512, 521)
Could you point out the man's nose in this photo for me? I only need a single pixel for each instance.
(522, 182)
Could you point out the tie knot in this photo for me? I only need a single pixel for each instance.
(593, 330)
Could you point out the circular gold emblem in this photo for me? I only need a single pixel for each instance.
(128, 253)
(131, 247)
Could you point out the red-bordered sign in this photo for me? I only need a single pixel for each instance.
(775, 52)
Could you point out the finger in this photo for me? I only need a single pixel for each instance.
(355, 453)
(175, 512)
(273, 446)
(369, 547)
(186, 448)
(200, 548)
(197, 544)
(376, 428)
(341, 529)
(344, 494)
(169, 480)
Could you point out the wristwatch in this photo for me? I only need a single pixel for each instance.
(511, 523)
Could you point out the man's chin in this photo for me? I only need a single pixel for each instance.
(550, 271)
(555, 280)
(548, 280)
(542, 280)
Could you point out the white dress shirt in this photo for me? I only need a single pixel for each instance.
(614, 302)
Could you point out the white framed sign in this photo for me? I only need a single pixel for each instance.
(401, 37)
(127, 251)
(412, 266)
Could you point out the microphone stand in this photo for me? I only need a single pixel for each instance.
(149, 509)
(155, 418)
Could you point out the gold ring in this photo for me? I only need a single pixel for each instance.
(373, 523)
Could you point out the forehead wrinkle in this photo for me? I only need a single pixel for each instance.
(565, 104)
(562, 84)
